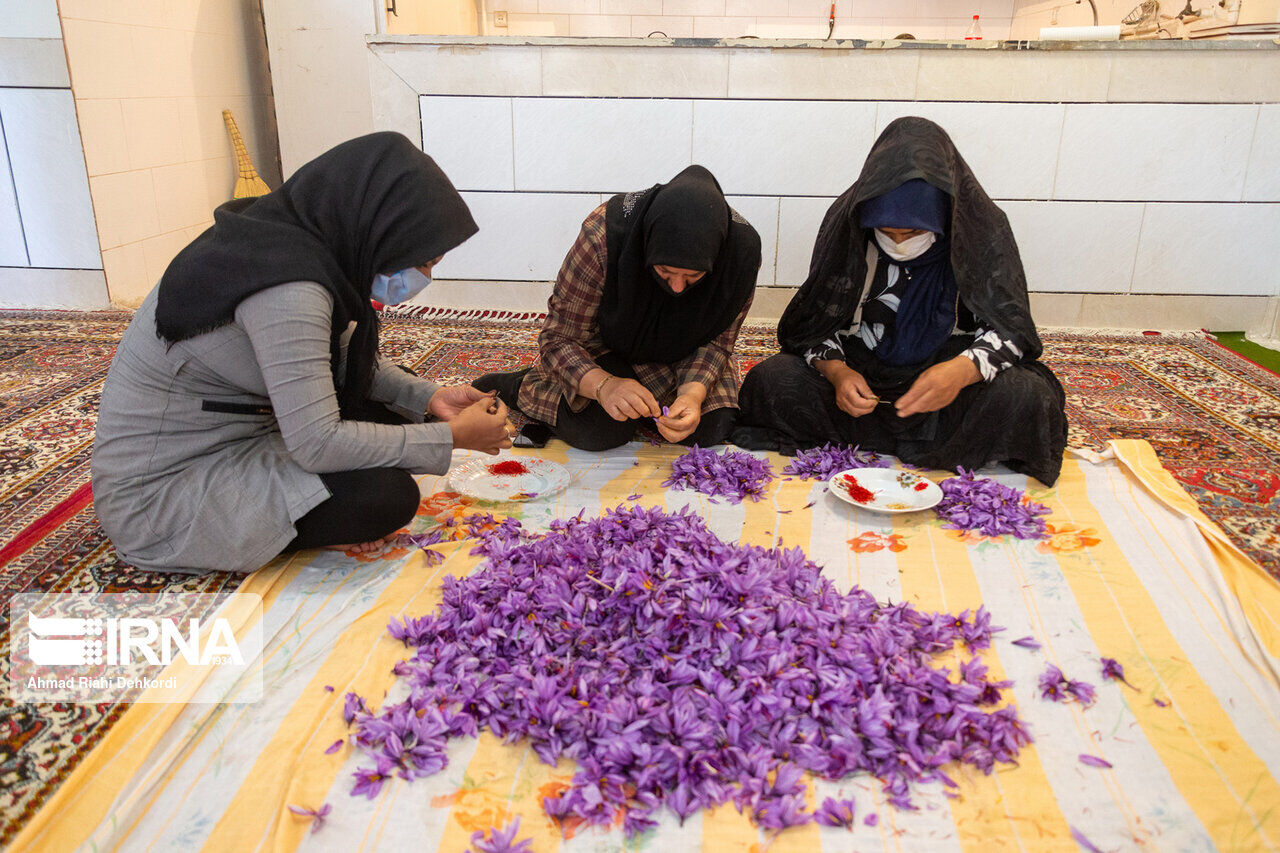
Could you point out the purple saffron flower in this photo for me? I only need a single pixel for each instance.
(328, 688)
(334, 747)
(1112, 669)
(317, 815)
(1160, 702)
(1053, 684)
(871, 819)
(1026, 643)
(1094, 761)
(352, 706)
(835, 813)
(734, 474)
(820, 463)
(501, 841)
(1082, 691)
(989, 507)
(680, 671)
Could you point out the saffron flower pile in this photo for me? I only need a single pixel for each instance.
(989, 507)
(681, 671)
(734, 474)
(819, 463)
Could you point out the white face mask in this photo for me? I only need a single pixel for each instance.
(907, 250)
(394, 289)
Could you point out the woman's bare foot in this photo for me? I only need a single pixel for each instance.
(361, 547)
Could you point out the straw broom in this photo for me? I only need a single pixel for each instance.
(248, 183)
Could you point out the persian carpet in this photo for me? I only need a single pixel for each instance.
(1213, 418)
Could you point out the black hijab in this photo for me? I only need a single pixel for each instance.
(984, 255)
(375, 204)
(687, 224)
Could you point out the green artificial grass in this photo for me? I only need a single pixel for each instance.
(1235, 342)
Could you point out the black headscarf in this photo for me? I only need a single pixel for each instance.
(687, 224)
(375, 204)
(984, 255)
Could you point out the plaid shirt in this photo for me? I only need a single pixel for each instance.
(570, 341)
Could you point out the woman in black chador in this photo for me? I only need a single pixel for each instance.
(912, 334)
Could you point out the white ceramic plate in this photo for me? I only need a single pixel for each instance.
(891, 490)
(476, 478)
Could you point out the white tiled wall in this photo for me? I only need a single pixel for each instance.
(804, 19)
(150, 83)
(1097, 194)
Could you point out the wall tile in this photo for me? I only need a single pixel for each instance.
(1230, 249)
(1046, 76)
(814, 27)
(1262, 183)
(674, 27)
(29, 19)
(126, 269)
(1076, 246)
(466, 69)
(924, 29)
(1164, 152)
(600, 26)
(631, 7)
(513, 5)
(153, 132)
(867, 29)
(49, 173)
(873, 75)
(518, 296)
(751, 8)
(523, 236)
(1056, 309)
(693, 7)
(783, 147)
(33, 62)
(394, 102)
(762, 213)
(798, 221)
(590, 145)
(1244, 76)
(102, 128)
(125, 206)
(519, 24)
(81, 290)
(1172, 313)
(643, 72)
(723, 27)
(158, 251)
(13, 246)
(101, 59)
(570, 7)
(471, 140)
(187, 193)
(1008, 165)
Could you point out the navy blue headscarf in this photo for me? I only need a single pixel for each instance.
(926, 314)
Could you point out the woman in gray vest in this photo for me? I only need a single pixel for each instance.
(247, 411)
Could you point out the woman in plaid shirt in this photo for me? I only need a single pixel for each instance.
(643, 320)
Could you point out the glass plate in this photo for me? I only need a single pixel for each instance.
(476, 478)
(891, 490)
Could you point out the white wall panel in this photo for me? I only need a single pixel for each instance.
(1012, 148)
(599, 144)
(1076, 247)
(1223, 249)
(523, 236)
(471, 140)
(31, 19)
(1262, 183)
(783, 147)
(13, 248)
(1158, 152)
(798, 221)
(762, 213)
(49, 174)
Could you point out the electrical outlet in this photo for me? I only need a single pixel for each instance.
(499, 19)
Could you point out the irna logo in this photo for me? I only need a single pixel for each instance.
(58, 641)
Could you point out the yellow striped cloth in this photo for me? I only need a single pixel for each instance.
(1133, 571)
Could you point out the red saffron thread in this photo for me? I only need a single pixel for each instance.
(857, 492)
(508, 468)
(921, 486)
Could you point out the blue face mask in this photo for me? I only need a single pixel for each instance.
(404, 285)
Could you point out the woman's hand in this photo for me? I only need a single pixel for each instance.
(853, 395)
(481, 426)
(625, 399)
(449, 401)
(684, 414)
(937, 386)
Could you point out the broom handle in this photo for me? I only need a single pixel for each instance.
(243, 163)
